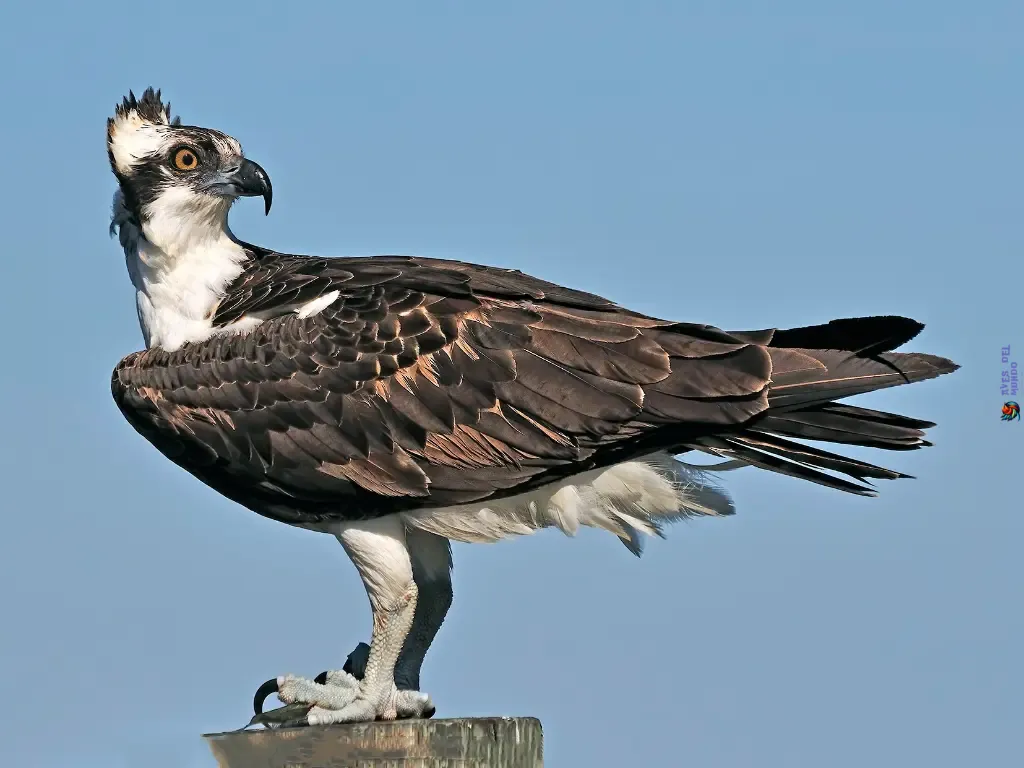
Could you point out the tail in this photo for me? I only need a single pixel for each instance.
(812, 368)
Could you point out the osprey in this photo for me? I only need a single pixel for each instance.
(399, 403)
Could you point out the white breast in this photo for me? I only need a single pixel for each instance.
(177, 293)
(178, 296)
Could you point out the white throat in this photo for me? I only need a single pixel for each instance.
(180, 262)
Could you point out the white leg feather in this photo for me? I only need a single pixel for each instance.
(628, 499)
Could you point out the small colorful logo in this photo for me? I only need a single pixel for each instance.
(1011, 411)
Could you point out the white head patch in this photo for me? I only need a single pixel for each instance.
(137, 129)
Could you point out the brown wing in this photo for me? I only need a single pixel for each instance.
(430, 383)
(424, 384)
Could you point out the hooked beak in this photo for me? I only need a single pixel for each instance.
(249, 180)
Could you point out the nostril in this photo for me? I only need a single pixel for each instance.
(232, 169)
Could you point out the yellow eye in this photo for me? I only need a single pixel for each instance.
(185, 160)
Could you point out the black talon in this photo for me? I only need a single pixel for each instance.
(262, 693)
(270, 687)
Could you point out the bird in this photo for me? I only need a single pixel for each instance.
(400, 403)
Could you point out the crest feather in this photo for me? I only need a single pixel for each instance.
(149, 108)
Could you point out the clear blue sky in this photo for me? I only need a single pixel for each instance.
(709, 162)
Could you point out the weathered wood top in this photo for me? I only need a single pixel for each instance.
(482, 742)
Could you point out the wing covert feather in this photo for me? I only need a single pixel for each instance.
(422, 380)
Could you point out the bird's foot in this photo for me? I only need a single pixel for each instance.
(369, 704)
(333, 689)
(337, 697)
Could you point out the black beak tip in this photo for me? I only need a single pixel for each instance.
(267, 189)
(262, 693)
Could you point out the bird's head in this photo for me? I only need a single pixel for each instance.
(172, 175)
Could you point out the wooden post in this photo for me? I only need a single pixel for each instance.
(479, 742)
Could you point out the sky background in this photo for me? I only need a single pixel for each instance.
(742, 164)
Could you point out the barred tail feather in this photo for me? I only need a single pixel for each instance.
(812, 368)
(852, 425)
